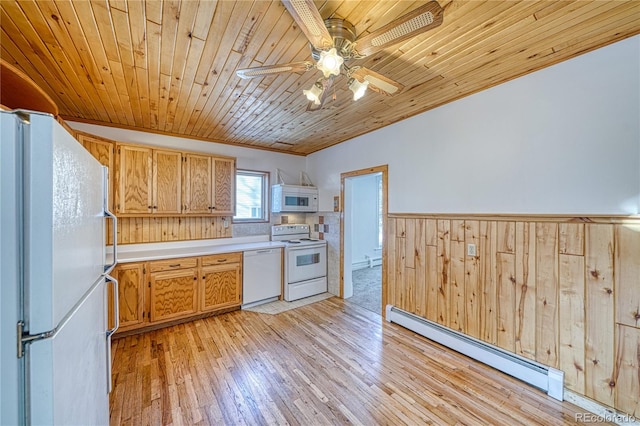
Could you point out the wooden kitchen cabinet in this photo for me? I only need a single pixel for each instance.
(167, 182)
(149, 181)
(224, 183)
(131, 291)
(221, 284)
(164, 292)
(197, 184)
(209, 185)
(134, 180)
(174, 292)
(103, 151)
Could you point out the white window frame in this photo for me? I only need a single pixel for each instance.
(265, 196)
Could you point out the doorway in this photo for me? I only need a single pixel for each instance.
(362, 237)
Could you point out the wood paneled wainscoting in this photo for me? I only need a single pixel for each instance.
(135, 230)
(563, 291)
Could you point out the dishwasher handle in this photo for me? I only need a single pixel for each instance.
(259, 252)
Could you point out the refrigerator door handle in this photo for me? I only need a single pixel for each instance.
(116, 316)
(116, 308)
(114, 229)
(24, 338)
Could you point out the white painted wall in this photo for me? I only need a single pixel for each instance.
(247, 158)
(364, 216)
(562, 140)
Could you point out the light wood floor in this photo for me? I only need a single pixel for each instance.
(327, 363)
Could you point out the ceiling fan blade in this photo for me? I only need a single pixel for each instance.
(377, 82)
(308, 18)
(327, 84)
(410, 25)
(274, 69)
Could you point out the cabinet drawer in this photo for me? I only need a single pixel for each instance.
(220, 259)
(173, 264)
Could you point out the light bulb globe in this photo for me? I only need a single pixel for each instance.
(330, 62)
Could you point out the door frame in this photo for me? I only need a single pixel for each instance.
(384, 169)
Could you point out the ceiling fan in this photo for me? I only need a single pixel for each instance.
(334, 44)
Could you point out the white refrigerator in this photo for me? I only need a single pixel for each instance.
(54, 341)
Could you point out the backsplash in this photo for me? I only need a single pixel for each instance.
(264, 228)
(326, 226)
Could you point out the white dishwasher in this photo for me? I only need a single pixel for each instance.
(261, 276)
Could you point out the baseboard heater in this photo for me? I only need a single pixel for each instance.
(375, 260)
(541, 376)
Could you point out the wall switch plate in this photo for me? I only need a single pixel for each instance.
(225, 223)
(471, 250)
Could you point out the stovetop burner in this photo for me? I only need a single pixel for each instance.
(294, 235)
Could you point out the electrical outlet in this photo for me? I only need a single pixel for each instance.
(225, 222)
(471, 250)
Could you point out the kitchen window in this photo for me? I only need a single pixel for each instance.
(252, 196)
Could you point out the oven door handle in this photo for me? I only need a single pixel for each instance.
(293, 249)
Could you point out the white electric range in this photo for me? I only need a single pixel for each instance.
(305, 261)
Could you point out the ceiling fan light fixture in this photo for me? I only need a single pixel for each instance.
(314, 93)
(330, 62)
(358, 88)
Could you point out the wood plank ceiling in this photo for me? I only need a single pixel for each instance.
(169, 66)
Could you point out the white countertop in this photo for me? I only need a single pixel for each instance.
(158, 251)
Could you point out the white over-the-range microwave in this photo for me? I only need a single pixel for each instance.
(294, 198)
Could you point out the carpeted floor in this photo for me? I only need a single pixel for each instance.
(367, 288)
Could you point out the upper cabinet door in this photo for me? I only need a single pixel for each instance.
(134, 185)
(167, 186)
(197, 184)
(224, 178)
(103, 151)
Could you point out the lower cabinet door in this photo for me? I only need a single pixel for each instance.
(131, 280)
(173, 294)
(221, 287)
